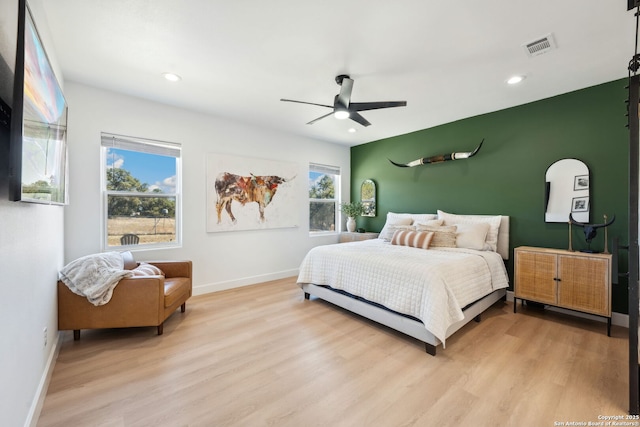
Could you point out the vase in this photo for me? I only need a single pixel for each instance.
(351, 224)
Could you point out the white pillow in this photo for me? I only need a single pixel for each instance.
(472, 236)
(402, 219)
(390, 228)
(423, 217)
(392, 220)
(493, 221)
(430, 223)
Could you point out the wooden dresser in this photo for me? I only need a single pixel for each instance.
(355, 237)
(573, 280)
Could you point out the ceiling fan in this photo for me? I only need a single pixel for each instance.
(342, 106)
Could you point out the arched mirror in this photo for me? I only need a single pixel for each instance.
(368, 197)
(567, 191)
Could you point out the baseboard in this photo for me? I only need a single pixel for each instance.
(618, 319)
(245, 281)
(41, 392)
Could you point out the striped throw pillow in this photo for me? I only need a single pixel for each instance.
(145, 269)
(416, 239)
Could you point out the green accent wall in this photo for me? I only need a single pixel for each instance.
(507, 176)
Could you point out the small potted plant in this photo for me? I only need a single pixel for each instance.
(352, 210)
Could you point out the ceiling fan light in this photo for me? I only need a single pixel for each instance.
(341, 114)
(172, 77)
(514, 80)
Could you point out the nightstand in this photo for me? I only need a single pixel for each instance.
(356, 237)
(574, 280)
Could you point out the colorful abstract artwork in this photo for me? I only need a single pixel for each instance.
(44, 127)
(248, 193)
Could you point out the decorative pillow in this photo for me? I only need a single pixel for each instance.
(472, 236)
(402, 219)
(423, 217)
(146, 269)
(129, 262)
(415, 239)
(493, 221)
(443, 236)
(430, 223)
(393, 220)
(395, 228)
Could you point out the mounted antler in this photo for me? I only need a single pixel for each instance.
(590, 230)
(439, 158)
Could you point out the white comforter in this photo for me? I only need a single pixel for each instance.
(432, 285)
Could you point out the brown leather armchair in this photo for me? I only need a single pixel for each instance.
(136, 301)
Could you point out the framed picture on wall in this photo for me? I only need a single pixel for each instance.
(581, 182)
(580, 204)
(245, 193)
(38, 136)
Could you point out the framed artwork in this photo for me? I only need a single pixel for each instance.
(580, 204)
(245, 193)
(581, 182)
(38, 137)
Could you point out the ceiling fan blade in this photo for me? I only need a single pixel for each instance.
(358, 118)
(364, 106)
(309, 103)
(320, 118)
(344, 97)
(342, 103)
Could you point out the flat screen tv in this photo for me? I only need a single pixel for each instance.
(38, 135)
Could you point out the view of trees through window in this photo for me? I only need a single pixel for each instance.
(122, 180)
(141, 197)
(322, 201)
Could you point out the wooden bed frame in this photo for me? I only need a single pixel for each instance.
(407, 325)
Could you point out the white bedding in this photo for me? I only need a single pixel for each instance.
(432, 285)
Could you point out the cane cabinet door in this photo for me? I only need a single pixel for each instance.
(585, 284)
(535, 274)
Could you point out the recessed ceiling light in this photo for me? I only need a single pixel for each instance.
(172, 77)
(514, 80)
(352, 130)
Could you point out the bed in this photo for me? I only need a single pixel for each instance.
(427, 292)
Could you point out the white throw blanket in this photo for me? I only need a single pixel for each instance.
(95, 276)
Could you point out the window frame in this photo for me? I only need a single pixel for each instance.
(148, 146)
(329, 170)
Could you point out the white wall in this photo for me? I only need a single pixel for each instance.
(31, 253)
(37, 240)
(220, 260)
(31, 242)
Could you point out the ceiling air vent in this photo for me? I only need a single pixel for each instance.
(540, 46)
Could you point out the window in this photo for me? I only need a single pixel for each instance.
(324, 185)
(141, 192)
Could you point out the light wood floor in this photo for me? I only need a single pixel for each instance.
(263, 356)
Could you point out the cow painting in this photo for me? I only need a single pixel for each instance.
(245, 189)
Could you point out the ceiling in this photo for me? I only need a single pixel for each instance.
(237, 59)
